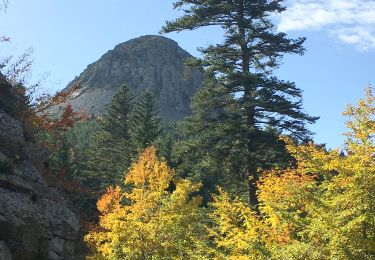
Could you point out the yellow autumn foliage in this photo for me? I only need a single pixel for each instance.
(158, 222)
(324, 208)
(321, 208)
(237, 232)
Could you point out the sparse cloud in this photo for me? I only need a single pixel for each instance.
(349, 21)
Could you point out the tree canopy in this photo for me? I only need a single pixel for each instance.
(150, 221)
(242, 107)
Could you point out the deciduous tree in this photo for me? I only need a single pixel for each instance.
(153, 220)
(321, 209)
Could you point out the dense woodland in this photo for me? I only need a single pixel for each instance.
(240, 178)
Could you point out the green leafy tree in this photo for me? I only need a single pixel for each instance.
(241, 99)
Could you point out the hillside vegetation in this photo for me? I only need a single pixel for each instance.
(235, 176)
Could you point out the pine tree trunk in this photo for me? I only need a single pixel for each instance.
(249, 108)
(253, 198)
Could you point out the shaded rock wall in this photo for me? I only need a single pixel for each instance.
(35, 221)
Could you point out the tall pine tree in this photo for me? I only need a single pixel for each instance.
(125, 130)
(145, 122)
(242, 106)
(111, 153)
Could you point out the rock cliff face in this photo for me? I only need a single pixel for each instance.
(35, 222)
(155, 63)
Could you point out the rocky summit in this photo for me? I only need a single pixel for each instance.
(153, 63)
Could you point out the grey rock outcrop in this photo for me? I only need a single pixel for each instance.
(35, 221)
(149, 62)
(4, 252)
(11, 128)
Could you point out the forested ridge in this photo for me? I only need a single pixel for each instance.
(239, 178)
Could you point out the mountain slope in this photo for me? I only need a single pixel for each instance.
(149, 62)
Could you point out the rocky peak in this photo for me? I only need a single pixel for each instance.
(149, 62)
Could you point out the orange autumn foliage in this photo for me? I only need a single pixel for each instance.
(110, 200)
(43, 119)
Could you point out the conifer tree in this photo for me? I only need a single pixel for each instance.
(324, 208)
(241, 100)
(116, 118)
(145, 122)
(164, 143)
(111, 153)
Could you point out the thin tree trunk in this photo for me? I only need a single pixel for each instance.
(252, 189)
(248, 106)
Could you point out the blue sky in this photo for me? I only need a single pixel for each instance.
(67, 35)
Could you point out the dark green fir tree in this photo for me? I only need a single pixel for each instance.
(145, 122)
(242, 107)
(112, 149)
(164, 143)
